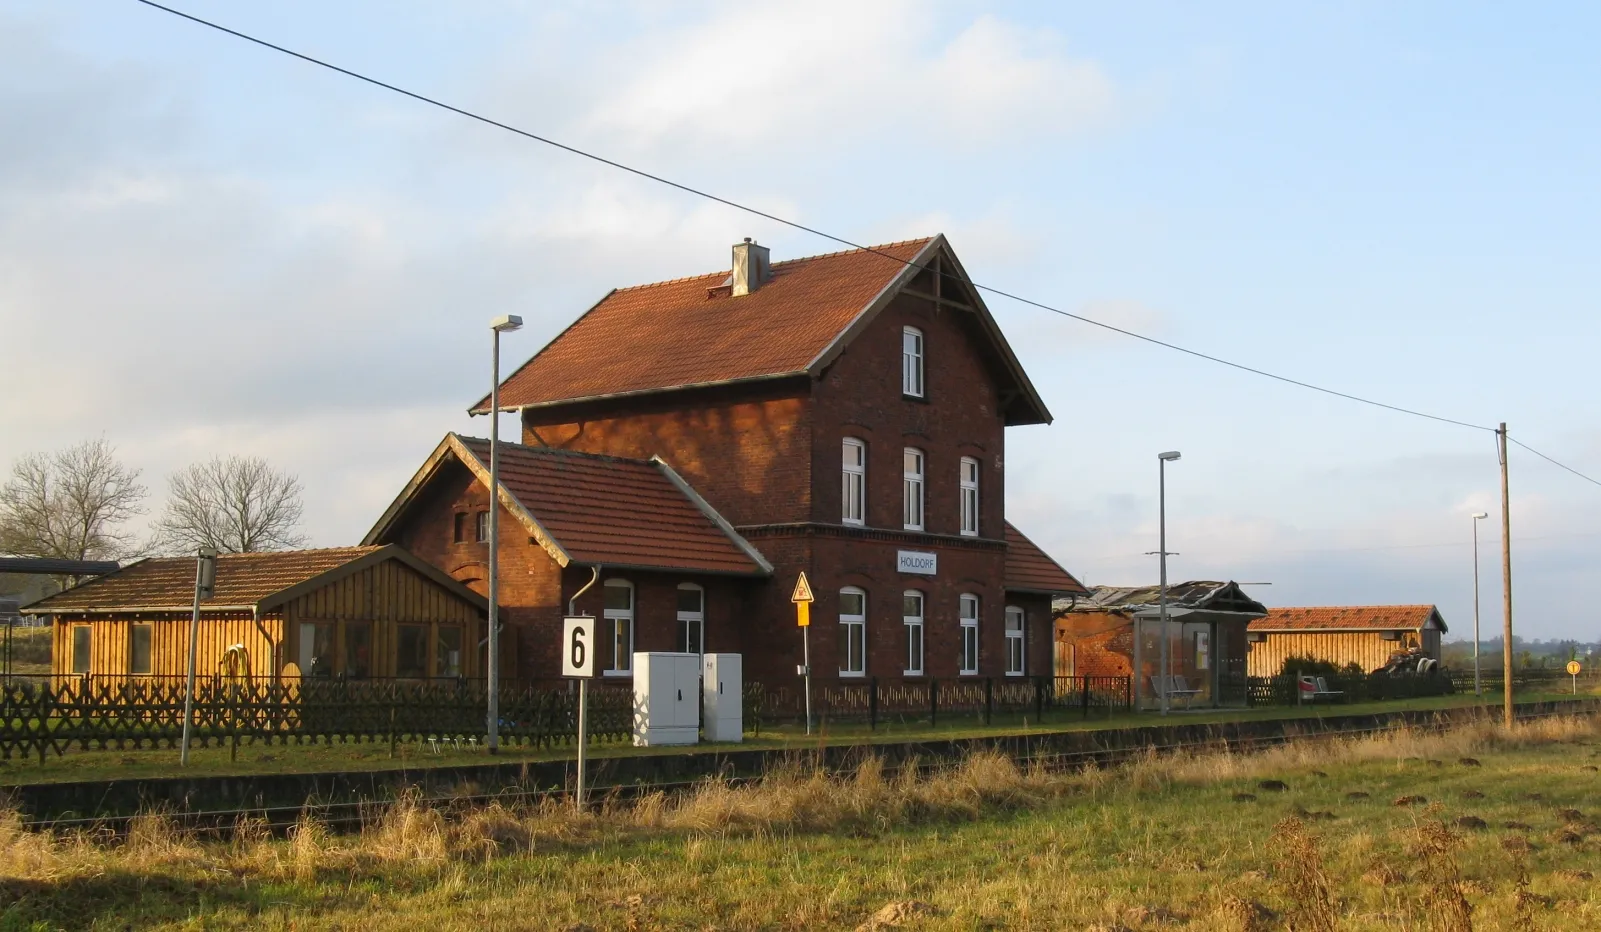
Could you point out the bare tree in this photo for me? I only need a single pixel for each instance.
(237, 504)
(71, 504)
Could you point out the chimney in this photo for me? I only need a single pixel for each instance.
(751, 267)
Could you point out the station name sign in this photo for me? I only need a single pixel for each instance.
(916, 561)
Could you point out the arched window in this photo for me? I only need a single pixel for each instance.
(853, 482)
(852, 632)
(619, 615)
(912, 619)
(969, 496)
(691, 618)
(912, 489)
(968, 615)
(912, 362)
(1014, 641)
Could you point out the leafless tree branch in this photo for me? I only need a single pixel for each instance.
(71, 504)
(237, 504)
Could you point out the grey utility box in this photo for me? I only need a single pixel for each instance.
(723, 685)
(666, 698)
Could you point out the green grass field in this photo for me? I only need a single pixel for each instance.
(308, 758)
(1470, 829)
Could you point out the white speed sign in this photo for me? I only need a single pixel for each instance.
(578, 646)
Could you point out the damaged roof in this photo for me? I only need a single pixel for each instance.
(1210, 595)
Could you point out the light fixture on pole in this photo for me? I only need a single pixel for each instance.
(1477, 517)
(1162, 459)
(505, 323)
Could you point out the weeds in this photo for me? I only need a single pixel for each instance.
(1433, 847)
(1298, 870)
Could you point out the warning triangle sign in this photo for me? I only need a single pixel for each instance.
(803, 590)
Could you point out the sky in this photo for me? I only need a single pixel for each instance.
(207, 247)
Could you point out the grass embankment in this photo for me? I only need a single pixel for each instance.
(1474, 828)
(360, 756)
(30, 650)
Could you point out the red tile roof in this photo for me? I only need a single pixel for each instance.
(590, 509)
(686, 332)
(1029, 569)
(243, 579)
(1349, 618)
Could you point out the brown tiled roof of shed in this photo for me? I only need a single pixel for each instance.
(1030, 569)
(243, 579)
(1350, 618)
(690, 332)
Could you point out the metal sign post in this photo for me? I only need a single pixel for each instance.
(205, 585)
(803, 617)
(1573, 671)
(578, 661)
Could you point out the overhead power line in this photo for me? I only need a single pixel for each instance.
(688, 189)
(795, 225)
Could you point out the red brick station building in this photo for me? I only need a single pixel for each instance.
(691, 446)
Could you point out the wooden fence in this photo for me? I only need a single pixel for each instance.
(867, 701)
(38, 717)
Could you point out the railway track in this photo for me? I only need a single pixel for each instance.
(355, 814)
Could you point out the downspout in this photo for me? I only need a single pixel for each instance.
(572, 604)
(272, 649)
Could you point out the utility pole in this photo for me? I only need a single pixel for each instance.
(506, 323)
(1162, 459)
(1478, 690)
(1506, 577)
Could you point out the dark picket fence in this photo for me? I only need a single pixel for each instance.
(38, 717)
(867, 701)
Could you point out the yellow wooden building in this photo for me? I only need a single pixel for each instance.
(1366, 635)
(356, 612)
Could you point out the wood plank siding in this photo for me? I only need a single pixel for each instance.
(1369, 649)
(111, 644)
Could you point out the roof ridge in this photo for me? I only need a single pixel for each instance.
(1347, 608)
(558, 451)
(776, 265)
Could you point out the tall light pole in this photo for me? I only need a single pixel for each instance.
(505, 323)
(1477, 517)
(1162, 459)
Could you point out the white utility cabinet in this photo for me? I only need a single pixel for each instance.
(666, 698)
(722, 684)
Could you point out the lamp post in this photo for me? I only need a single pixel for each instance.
(1477, 517)
(1162, 459)
(505, 323)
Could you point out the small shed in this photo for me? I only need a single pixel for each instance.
(356, 612)
(1118, 628)
(1366, 635)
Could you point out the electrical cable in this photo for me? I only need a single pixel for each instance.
(1552, 461)
(688, 189)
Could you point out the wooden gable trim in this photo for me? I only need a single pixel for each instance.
(705, 507)
(1025, 386)
(866, 315)
(390, 552)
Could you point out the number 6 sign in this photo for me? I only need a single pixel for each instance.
(578, 646)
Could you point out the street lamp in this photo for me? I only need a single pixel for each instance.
(1477, 517)
(1162, 459)
(505, 323)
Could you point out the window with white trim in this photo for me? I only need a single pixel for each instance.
(482, 527)
(969, 496)
(853, 482)
(912, 362)
(619, 615)
(912, 618)
(1014, 641)
(912, 489)
(969, 618)
(852, 632)
(691, 618)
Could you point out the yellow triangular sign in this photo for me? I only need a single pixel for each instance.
(803, 590)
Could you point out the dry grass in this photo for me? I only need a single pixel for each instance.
(1154, 843)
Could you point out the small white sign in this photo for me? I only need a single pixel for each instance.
(916, 561)
(578, 646)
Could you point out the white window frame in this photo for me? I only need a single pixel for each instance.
(969, 478)
(967, 614)
(912, 368)
(481, 527)
(696, 619)
(622, 661)
(853, 635)
(916, 642)
(853, 482)
(912, 483)
(1016, 643)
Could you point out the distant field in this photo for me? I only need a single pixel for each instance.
(30, 649)
(1172, 843)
